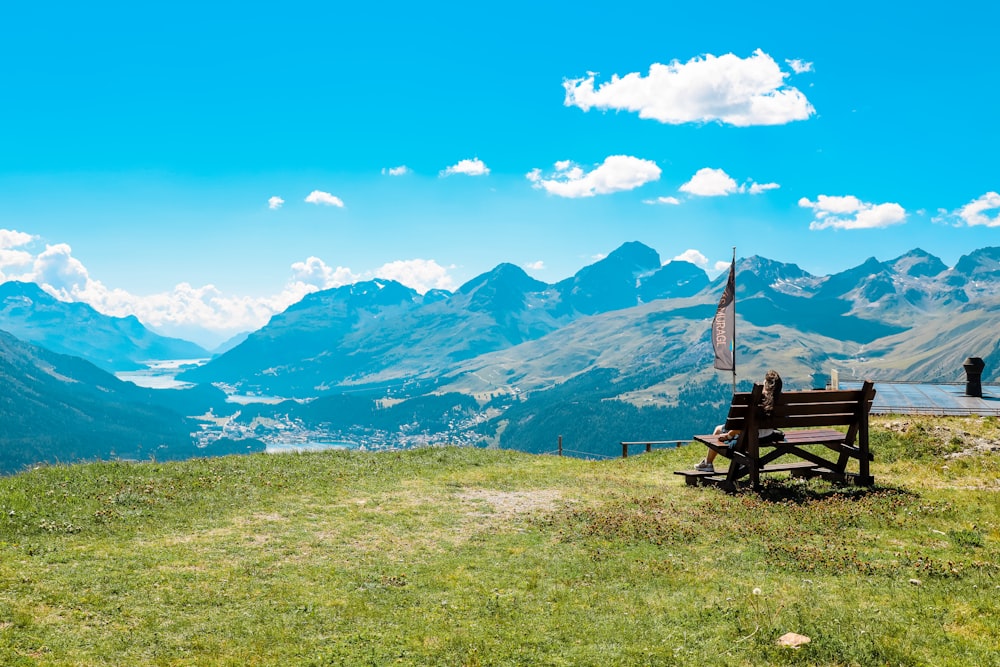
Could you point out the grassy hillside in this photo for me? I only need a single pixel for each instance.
(482, 557)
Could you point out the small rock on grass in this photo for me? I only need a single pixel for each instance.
(793, 640)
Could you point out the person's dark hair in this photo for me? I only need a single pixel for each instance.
(772, 389)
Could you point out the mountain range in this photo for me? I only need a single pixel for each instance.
(381, 334)
(868, 320)
(618, 351)
(113, 343)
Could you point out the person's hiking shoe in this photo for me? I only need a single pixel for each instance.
(704, 466)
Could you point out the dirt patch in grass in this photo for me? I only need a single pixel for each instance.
(506, 505)
(196, 536)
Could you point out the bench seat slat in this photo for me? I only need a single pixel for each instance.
(817, 436)
(808, 421)
(805, 396)
(821, 396)
(837, 408)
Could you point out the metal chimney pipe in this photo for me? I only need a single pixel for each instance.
(973, 376)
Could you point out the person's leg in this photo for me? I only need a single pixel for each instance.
(711, 452)
(705, 465)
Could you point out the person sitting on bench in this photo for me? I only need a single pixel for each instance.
(772, 389)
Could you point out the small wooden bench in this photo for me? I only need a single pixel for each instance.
(801, 415)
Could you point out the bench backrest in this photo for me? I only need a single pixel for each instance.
(804, 409)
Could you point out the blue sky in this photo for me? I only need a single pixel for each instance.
(204, 165)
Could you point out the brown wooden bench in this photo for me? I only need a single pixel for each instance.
(805, 417)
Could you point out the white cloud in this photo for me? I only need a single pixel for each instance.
(615, 174)
(849, 212)
(57, 269)
(13, 263)
(314, 272)
(200, 311)
(709, 182)
(799, 66)
(758, 188)
(722, 265)
(672, 201)
(535, 266)
(275, 203)
(473, 167)
(726, 89)
(693, 256)
(977, 212)
(420, 274)
(13, 260)
(324, 198)
(11, 238)
(401, 170)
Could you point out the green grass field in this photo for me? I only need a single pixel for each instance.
(479, 557)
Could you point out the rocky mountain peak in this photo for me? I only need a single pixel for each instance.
(674, 279)
(633, 254)
(16, 288)
(980, 264)
(759, 274)
(918, 264)
(610, 283)
(505, 288)
(505, 277)
(376, 293)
